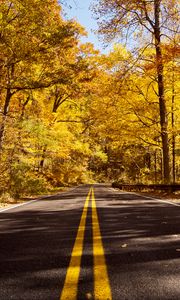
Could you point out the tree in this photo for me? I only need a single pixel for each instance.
(39, 51)
(155, 19)
(34, 45)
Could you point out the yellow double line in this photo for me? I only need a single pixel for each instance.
(102, 290)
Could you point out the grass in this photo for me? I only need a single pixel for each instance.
(6, 200)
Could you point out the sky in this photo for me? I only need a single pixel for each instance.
(80, 11)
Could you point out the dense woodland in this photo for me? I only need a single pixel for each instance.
(71, 115)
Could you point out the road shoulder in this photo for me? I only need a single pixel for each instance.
(173, 198)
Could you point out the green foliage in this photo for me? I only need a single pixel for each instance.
(25, 182)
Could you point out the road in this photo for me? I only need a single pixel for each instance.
(92, 242)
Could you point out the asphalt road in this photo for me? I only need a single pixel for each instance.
(136, 256)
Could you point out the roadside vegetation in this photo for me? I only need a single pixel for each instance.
(71, 115)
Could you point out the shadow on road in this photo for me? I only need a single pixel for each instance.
(35, 246)
(142, 242)
(139, 237)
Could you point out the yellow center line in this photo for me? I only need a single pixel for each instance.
(102, 289)
(70, 288)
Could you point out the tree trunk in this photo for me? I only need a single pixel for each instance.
(173, 137)
(155, 166)
(5, 112)
(41, 164)
(162, 103)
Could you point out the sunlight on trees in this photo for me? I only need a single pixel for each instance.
(69, 114)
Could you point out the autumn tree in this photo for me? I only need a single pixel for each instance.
(150, 18)
(39, 52)
(34, 43)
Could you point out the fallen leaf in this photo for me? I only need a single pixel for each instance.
(89, 296)
(124, 246)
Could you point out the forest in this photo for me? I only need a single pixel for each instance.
(70, 114)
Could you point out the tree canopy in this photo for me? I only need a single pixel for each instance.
(69, 114)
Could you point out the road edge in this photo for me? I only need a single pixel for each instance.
(36, 199)
(147, 197)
